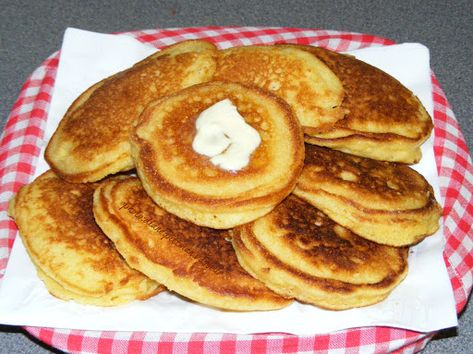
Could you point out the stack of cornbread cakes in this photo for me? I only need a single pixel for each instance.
(241, 179)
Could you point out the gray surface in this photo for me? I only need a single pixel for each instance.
(31, 30)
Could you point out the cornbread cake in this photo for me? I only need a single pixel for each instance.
(73, 257)
(384, 202)
(297, 251)
(91, 140)
(384, 120)
(313, 91)
(229, 186)
(196, 262)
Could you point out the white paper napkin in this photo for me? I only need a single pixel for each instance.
(423, 301)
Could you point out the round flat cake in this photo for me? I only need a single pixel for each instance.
(382, 201)
(313, 91)
(196, 262)
(91, 140)
(384, 120)
(206, 191)
(73, 257)
(297, 251)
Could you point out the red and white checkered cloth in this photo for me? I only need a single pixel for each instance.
(20, 148)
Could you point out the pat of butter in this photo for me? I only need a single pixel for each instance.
(225, 137)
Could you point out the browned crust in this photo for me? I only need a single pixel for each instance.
(387, 180)
(346, 67)
(331, 289)
(328, 285)
(306, 238)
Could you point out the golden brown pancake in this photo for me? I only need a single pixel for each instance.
(384, 120)
(384, 202)
(91, 141)
(297, 251)
(312, 90)
(196, 262)
(72, 255)
(187, 184)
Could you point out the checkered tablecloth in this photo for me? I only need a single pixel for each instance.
(20, 146)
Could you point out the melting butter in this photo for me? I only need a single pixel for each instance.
(225, 137)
